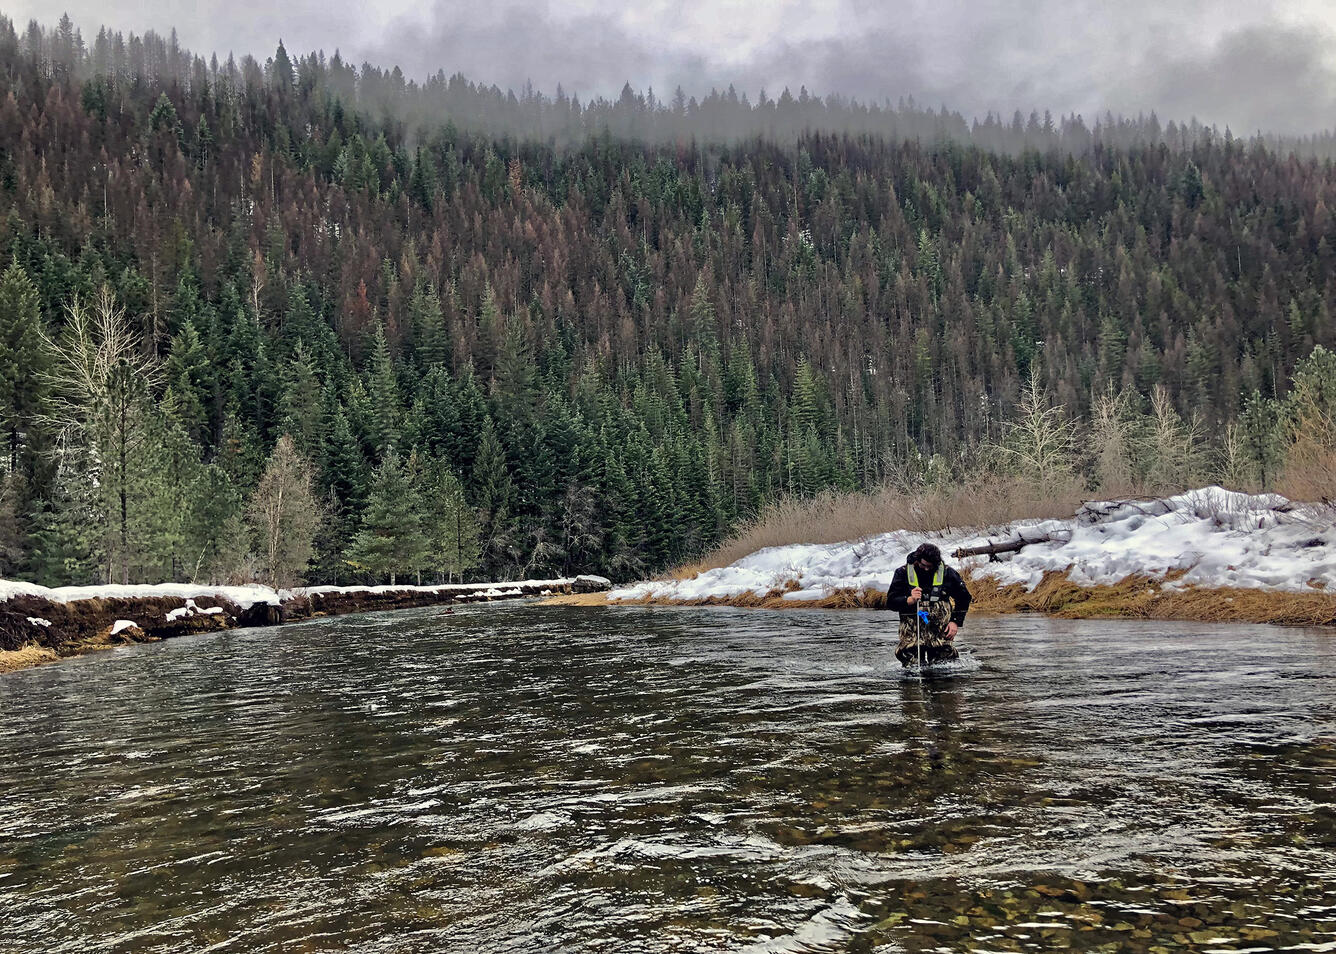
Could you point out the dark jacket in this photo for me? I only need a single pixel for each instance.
(952, 586)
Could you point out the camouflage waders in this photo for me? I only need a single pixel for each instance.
(936, 644)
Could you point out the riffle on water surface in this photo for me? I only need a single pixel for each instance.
(626, 779)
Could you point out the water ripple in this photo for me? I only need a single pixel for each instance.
(626, 779)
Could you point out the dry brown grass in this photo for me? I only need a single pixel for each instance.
(1310, 469)
(575, 599)
(834, 518)
(12, 660)
(1135, 597)
(1140, 597)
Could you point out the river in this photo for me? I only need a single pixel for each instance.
(529, 778)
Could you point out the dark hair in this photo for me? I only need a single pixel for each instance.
(927, 552)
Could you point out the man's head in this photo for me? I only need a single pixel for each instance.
(926, 558)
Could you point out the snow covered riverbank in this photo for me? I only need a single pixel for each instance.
(39, 623)
(1209, 538)
(248, 596)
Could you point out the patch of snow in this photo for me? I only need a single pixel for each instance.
(1217, 537)
(123, 624)
(190, 609)
(38, 621)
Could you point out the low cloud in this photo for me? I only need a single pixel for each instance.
(1248, 64)
(1273, 79)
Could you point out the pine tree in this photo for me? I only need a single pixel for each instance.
(1262, 436)
(433, 346)
(451, 525)
(493, 490)
(390, 538)
(22, 358)
(383, 392)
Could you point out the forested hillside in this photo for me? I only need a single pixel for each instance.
(240, 295)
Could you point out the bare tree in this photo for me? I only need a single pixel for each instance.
(101, 384)
(1177, 446)
(1113, 429)
(1040, 444)
(284, 514)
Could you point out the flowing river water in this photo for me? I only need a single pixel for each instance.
(530, 778)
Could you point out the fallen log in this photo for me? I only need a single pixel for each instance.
(991, 550)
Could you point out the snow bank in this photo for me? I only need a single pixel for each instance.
(512, 588)
(1220, 538)
(247, 596)
(243, 596)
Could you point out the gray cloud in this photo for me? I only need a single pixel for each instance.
(1259, 78)
(1249, 64)
(512, 43)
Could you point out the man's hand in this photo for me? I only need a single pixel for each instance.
(951, 630)
(915, 595)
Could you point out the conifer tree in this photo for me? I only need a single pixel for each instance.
(213, 512)
(450, 524)
(14, 536)
(22, 358)
(383, 394)
(433, 347)
(189, 383)
(166, 473)
(300, 406)
(390, 539)
(493, 490)
(1262, 435)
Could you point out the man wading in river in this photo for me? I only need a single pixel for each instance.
(925, 585)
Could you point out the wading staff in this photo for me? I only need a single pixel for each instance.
(918, 627)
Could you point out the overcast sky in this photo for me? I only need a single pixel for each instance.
(1249, 64)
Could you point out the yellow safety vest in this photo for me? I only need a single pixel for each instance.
(938, 576)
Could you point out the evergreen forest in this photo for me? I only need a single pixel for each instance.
(301, 320)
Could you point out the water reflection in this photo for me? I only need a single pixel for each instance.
(535, 778)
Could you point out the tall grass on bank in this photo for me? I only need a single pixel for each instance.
(835, 517)
(1133, 597)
